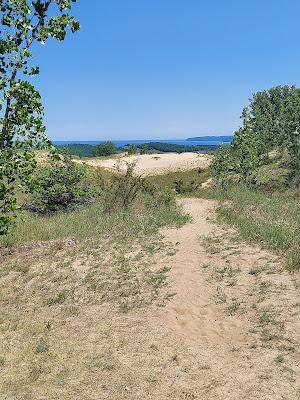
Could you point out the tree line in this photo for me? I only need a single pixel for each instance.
(109, 148)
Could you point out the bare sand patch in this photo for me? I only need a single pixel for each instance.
(155, 164)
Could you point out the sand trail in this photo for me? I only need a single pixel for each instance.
(193, 314)
(230, 325)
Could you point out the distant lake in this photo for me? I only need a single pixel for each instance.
(205, 140)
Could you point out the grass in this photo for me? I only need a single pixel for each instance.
(75, 287)
(212, 244)
(167, 181)
(269, 214)
(233, 307)
(93, 221)
(272, 219)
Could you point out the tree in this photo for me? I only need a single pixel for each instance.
(132, 149)
(24, 23)
(104, 149)
(144, 148)
(271, 121)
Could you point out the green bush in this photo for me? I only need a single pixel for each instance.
(182, 187)
(132, 149)
(62, 185)
(104, 149)
(144, 148)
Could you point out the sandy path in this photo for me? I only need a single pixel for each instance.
(155, 164)
(193, 314)
(232, 354)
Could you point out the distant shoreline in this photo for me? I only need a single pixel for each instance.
(221, 138)
(203, 140)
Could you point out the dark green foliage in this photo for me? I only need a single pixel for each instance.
(183, 182)
(104, 149)
(62, 184)
(122, 189)
(183, 188)
(271, 122)
(76, 149)
(132, 149)
(23, 24)
(190, 182)
(176, 148)
(144, 148)
(273, 176)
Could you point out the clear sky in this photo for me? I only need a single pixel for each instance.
(166, 68)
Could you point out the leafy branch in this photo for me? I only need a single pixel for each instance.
(22, 131)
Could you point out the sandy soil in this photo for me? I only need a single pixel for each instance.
(231, 322)
(229, 331)
(156, 164)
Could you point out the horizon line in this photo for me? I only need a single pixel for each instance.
(119, 139)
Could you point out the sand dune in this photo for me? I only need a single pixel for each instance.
(156, 164)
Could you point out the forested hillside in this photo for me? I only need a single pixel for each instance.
(108, 148)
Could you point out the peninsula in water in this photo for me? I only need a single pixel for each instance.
(222, 138)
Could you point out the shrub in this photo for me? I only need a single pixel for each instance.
(185, 187)
(144, 148)
(122, 189)
(62, 184)
(126, 189)
(132, 149)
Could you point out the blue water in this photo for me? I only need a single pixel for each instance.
(205, 140)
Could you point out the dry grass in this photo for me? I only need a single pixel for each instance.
(69, 312)
(72, 287)
(79, 320)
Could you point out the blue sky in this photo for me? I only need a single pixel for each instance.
(166, 68)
